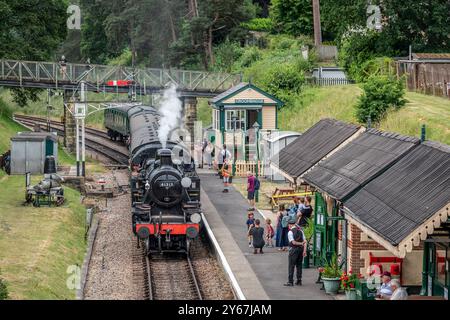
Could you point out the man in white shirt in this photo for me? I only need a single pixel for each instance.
(297, 250)
(385, 291)
(398, 293)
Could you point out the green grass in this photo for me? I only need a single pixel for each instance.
(37, 245)
(338, 102)
(432, 111)
(316, 103)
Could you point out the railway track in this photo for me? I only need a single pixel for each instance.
(93, 138)
(171, 278)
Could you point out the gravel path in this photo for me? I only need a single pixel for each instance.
(210, 276)
(111, 268)
(116, 269)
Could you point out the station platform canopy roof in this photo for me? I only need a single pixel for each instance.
(404, 204)
(358, 162)
(312, 146)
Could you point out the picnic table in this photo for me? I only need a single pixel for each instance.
(287, 194)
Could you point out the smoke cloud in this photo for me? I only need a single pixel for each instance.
(170, 110)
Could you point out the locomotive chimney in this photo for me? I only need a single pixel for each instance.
(166, 157)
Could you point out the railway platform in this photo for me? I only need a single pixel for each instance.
(259, 276)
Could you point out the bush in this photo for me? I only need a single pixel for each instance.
(355, 48)
(283, 42)
(3, 290)
(284, 81)
(226, 54)
(381, 93)
(376, 66)
(250, 56)
(259, 24)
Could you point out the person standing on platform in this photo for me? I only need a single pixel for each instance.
(224, 157)
(281, 239)
(209, 154)
(257, 234)
(305, 212)
(251, 190)
(250, 223)
(226, 173)
(297, 250)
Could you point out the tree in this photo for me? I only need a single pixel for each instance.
(31, 30)
(217, 21)
(264, 5)
(94, 42)
(423, 24)
(293, 17)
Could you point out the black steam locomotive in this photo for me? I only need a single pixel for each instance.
(165, 188)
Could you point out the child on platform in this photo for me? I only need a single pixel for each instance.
(226, 173)
(270, 233)
(250, 224)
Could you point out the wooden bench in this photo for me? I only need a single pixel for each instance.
(287, 194)
(376, 260)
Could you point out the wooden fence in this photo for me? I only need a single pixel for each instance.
(426, 78)
(242, 167)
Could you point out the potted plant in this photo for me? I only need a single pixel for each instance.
(331, 276)
(349, 282)
(308, 230)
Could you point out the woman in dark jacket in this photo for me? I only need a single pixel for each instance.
(281, 238)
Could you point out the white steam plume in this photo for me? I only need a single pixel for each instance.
(170, 110)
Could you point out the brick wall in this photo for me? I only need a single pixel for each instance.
(355, 245)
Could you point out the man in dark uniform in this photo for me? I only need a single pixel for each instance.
(297, 250)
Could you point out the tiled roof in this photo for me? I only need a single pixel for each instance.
(229, 92)
(312, 146)
(398, 202)
(358, 162)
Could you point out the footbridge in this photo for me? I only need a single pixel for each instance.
(68, 77)
(103, 78)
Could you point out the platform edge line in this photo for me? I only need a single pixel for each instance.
(223, 259)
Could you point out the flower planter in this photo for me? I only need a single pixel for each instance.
(351, 294)
(331, 285)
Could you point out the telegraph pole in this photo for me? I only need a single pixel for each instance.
(317, 26)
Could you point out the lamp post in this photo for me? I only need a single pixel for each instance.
(234, 119)
(256, 126)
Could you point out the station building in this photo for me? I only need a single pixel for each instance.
(382, 201)
(238, 111)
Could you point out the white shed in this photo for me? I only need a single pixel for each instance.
(272, 144)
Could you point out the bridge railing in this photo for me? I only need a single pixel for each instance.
(98, 75)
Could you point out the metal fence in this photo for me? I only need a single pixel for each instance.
(329, 81)
(55, 75)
